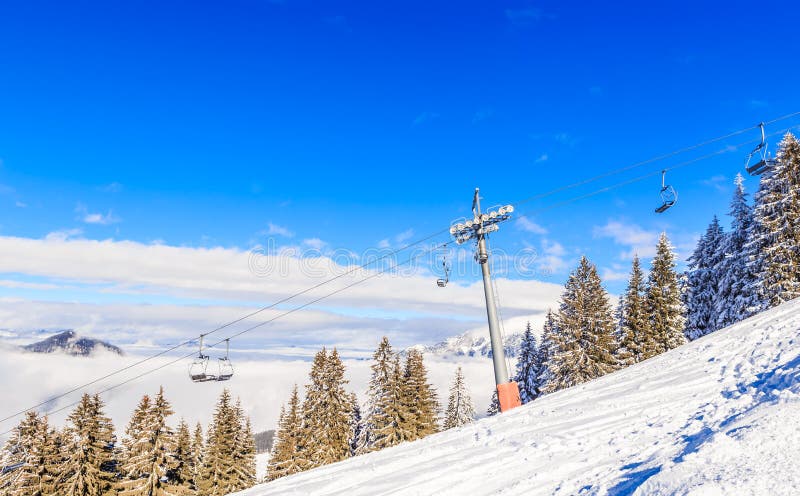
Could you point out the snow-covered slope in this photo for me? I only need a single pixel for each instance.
(718, 416)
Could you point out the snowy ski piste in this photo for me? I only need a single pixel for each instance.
(717, 416)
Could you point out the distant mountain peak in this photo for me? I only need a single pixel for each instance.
(69, 342)
(474, 344)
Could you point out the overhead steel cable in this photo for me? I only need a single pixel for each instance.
(415, 243)
(224, 326)
(650, 160)
(648, 175)
(260, 324)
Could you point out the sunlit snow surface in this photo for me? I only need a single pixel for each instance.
(719, 416)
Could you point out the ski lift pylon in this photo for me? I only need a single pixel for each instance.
(668, 194)
(764, 163)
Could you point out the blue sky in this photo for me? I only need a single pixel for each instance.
(350, 125)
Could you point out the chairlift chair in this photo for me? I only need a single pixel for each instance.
(198, 370)
(225, 366)
(668, 194)
(442, 282)
(15, 466)
(764, 163)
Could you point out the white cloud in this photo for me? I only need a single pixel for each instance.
(276, 230)
(384, 243)
(153, 272)
(404, 236)
(64, 234)
(315, 243)
(553, 257)
(542, 158)
(638, 240)
(20, 204)
(525, 224)
(613, 274)
(95, 218)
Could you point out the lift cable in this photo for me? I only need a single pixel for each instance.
(650, 160)
(224, 326)
(398, 250)
(260, 324)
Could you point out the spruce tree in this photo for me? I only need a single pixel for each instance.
(151, 461)
(89, 442)
(703, 282)
(392, 425)
(182, 470)
(53, 459)
(198, 446)
(775, 242)
(664, 302)
(136, 431)
(245, 450)
(287, 449)
(585, 345)
(737, 299)
(385, 423)
(545, 351)
(528, 367)
(356, 424)
(494, 405)
(418, 398)
(218, 475)
(460, 410)
(326, 412)
(634, 324)
(29, 446)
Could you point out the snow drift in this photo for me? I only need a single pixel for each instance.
(720, 415)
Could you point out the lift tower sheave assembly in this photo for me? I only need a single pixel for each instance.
(477, 229)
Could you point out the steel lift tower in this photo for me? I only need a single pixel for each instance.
(477, 228)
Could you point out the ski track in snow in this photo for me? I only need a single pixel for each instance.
(718, 416)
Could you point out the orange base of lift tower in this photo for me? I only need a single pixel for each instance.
(508, 396)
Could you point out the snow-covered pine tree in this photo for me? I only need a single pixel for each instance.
(664, 303)
(53, 459)
(181, 472)
(585, 345)
(392, 426)
(494, 405)
(89, 442)
(776, 230)
(244, 453)
(287, 449)
(737, 299)
(460, 409)
(528, 367)
(546, 350)
(28, 446)
(383, 422)
(198, 446)
(326, 412)
(135, 431)
(218, 475)
(356, 423)
(703, 282)
(418, 397)
(634, 324)
(150, 461)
